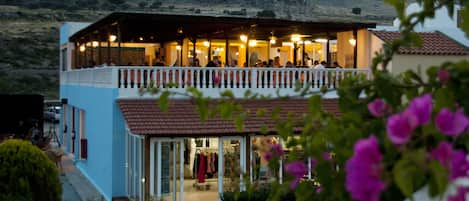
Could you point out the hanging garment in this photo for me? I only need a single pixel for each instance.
(195, 166)
(201, 173)
(209, 165)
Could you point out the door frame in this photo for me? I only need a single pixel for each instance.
(156, 141)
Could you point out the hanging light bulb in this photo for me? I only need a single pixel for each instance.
(252, 43)
(82, 48)
(243, 37)
(295, 37)
(352, 41)
(112, 38)
(206, 43)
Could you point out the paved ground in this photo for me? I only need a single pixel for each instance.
(75, 186)
(68, 192)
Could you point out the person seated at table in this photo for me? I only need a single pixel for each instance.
(322, 65)
(335, 64)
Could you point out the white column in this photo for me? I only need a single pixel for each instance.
(174, 171)
(309, 167)
(280, 170)
(152, 168)
(242, 163)
(181, 171)
(220, 168)
(251, 155)
(158, 170)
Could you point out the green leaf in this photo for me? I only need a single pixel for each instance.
(408, 172)
(163, 101)
(465, 20)
(261, 112)
(443, 98)
(227, 94)
(438, 179)
(314, 104)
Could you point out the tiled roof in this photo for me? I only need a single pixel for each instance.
(433, 43)
(144, 117)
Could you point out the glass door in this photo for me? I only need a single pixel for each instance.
(167, 169)
(232, 163)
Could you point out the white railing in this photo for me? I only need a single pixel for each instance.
(100, 77)
(229, 78)
(128, 79)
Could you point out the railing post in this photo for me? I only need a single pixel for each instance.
(115, 77)
(254, 78)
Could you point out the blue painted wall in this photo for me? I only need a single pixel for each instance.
(69, 28)
(105, 131)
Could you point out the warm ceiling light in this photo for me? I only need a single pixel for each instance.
(352, 41)
(273, 40)
(82, 48)
(252, 43)
(308, 42)
(198, 51)
(300, 42)
(241, 46)
(287, 44)
(140, 38)
(243, 37)
(206, 43)
(112, 38)
(237, 53)
(320, 40)
(295, 37)
(95, 43)
(178, 47)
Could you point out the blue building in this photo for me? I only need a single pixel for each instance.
(127, 147)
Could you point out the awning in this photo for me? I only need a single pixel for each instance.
(144, 117)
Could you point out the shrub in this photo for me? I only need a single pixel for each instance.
(26, 173)
(266, 13)
(142, 4)
(155, 4)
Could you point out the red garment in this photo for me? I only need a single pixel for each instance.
(201, 173)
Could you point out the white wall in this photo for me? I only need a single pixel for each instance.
(402, 63)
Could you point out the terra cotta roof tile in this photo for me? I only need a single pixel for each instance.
(433, 43)
(144, 117)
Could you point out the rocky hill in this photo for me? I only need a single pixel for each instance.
(29, 34)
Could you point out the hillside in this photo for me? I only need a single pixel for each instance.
(30, 28)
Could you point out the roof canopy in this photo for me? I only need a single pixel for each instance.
(144, 117)
(151, 27)
(433, 43)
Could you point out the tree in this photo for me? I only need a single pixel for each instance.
(396, 135)
(116, 2)
(27, 174)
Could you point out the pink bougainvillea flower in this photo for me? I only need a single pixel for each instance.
(297, 169)
(459, 165)
(454, 160)
(276, 150)
(443, 76)
(400, 126)
(267, 155)
(451, 123)
(460, 194)
(363, 171)
(327, 156)
(378, 107)
(421, 107)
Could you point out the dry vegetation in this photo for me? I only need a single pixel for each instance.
(30, 28)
